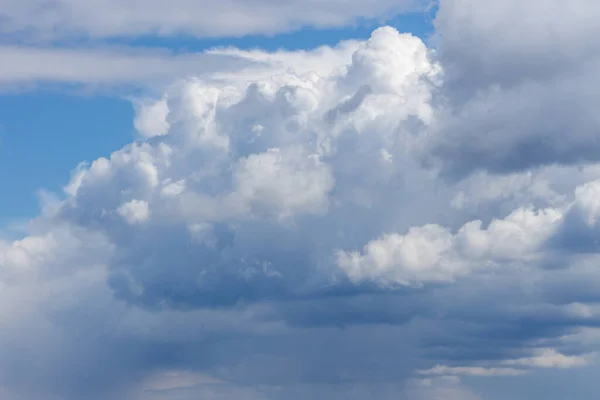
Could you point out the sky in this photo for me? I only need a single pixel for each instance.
(333, 199)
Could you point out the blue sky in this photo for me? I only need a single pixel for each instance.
(42, 141)
(332, 199)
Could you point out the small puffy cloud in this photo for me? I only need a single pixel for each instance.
(173, 188)
(134, 211)
(151, 118)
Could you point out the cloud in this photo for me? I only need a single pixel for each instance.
(550, 358)
(474, 136)
(134, 211)
(474, 371)
(532, 49)
(111, 18)
(274, 233)
(41, 257)
(105, 66)
(255, 166)
(433, 254)
(519, 102)
(128, 68)
(541, 358)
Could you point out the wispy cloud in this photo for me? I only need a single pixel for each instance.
(108, 66)
(443, 370)
(42, 20)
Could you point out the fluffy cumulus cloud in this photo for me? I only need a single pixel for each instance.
(431, 253)
(253, 182)
(375, 220)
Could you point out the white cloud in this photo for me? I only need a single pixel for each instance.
(106, 66)
(112, 18)
(471, 371)
(289, 182)
(258, 159)
(151, 118)
(25, 255)
(587, 202)
(433, 253)
(51, 254)
(134, 211)
(173, 188)
(550, 358)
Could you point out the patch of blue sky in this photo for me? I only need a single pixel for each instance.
(44, 135)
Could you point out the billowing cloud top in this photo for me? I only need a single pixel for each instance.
(382, 220)
(253, 183)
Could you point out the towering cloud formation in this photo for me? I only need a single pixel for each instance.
(242, 191)
(385, 220)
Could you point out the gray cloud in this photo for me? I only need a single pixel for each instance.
(518, 82)
(106, 67)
